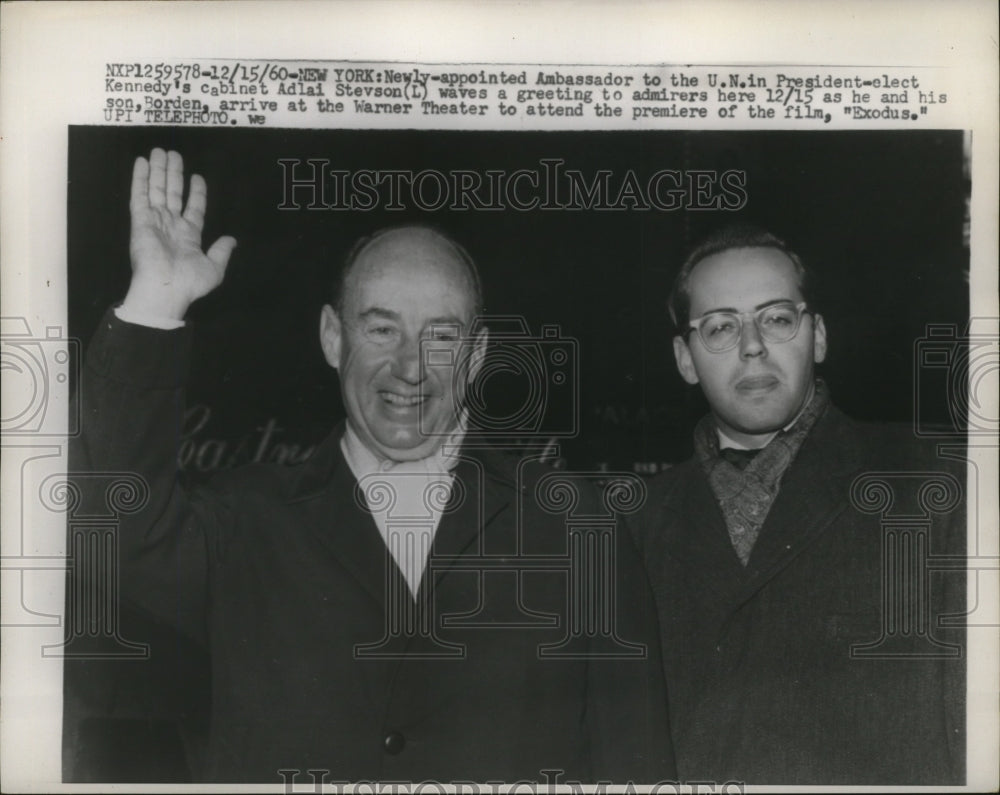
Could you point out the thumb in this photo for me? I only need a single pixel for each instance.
(220, 250)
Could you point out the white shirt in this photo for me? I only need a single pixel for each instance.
(406, 499)
(139, 319)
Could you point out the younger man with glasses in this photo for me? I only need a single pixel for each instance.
(801, 639)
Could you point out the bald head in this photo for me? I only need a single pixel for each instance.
(415, 248)
(397, 336)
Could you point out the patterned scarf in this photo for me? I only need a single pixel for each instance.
(745, 495)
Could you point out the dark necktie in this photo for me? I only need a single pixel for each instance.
(738, 458)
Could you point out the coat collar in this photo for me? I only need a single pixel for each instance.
(315, 475)
(325, 490)
(813, 493)
(694, 533)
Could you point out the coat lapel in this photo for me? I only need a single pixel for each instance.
(813, 493)
(694, 534)
(478, 496)
(326, 492)
(482, 491)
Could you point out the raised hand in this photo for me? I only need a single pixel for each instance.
(169, 269)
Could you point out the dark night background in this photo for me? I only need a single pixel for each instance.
(877, 217)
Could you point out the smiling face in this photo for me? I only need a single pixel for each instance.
(408, 285)
(758, 387)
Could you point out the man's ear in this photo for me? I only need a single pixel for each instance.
(330, 335)
(819, 339)
(685, 364)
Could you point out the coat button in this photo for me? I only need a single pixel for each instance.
(394, 742)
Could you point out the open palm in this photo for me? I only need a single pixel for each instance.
(169, 268)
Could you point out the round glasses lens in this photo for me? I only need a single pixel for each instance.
(720, 331)
(779, 323)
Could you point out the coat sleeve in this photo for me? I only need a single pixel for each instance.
(131, 397)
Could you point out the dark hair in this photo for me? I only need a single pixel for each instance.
(727, 238)
(340, 278)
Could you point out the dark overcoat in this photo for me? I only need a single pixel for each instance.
(837, 655)
(497, 673)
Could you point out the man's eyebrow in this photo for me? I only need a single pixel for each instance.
(734, 311)
(379, 312)
(774, 302)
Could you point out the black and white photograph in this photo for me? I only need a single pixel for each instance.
(388, 446)
(275, 371)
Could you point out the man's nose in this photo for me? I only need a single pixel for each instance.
(406, 364)
(751, 343)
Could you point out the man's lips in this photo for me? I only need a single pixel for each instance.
(755, 383)
(397, 400)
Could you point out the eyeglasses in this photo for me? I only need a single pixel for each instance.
(721, 331)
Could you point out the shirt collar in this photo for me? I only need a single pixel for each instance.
(363, 461)
(725, 440)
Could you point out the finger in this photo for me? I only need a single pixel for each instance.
(175, 182)
(220, 251)
(157, 178)
(197, 196)
(139, 199)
